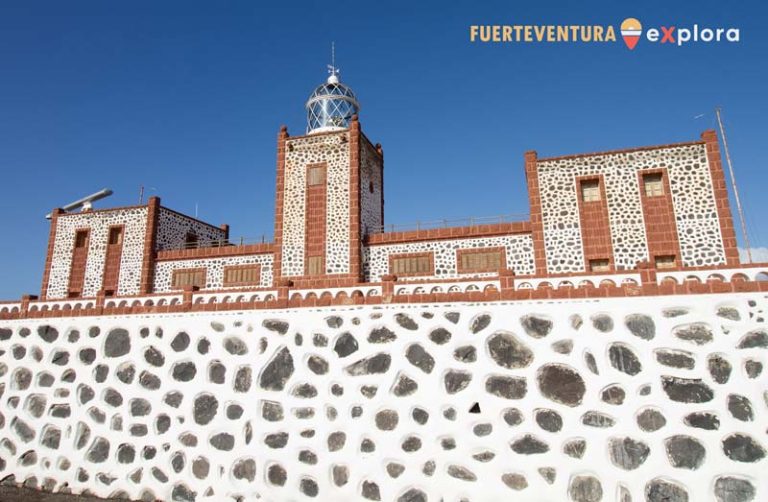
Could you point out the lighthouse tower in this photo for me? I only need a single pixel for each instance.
(330, 192)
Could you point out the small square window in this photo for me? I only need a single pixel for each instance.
(590, 190)
(316, 176)
(115, 236)
(654, 184)
(81, 238)
(601, 265)
(666, 261)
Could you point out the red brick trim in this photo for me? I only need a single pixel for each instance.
(282, 137)
(49, 253)
(112, 258)
(429, 254)
(256, 282)
(659, 217)
(315, 217)
(355, 232)
(150, 239)
(537, 222)
(78, 262)
(462, 252)
(188, 270)
(595, 224)
(105, 210)
(720, 189)
(622, 150)
(215, 252)
(450, 233)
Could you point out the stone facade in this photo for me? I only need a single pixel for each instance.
(695, 206)
(518, 250)
(658, 399)
(98, 223)
(215, 270)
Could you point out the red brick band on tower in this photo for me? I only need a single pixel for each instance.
(595, 224)
(721, 197)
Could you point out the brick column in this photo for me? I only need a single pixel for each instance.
(150, 240)
(49, 254)
(388, 287)
(721, 197)
(225, 228)
(507, 279)
(25, 299)
(537, 224)
(355, 258)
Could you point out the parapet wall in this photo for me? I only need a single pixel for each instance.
(660, 398)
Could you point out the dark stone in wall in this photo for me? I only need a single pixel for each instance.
(641, 325)
(627, 453)
(537, 326)
(697, 333)
(381, 335)
(734, 489)
(508, 387)
(675, 358)
(686, 390)
(624, 359)
(509, 352)
(456, 381)
(376, 364)
(276, 325)
(743, 448)
(479, 323)
(650, 420)
(277, 372)
(585, 488)
(661, 490)
(118, 343)
(405, 321)
(602, 323)
(719, 368)
(420, 358)
(685, 452)
(561, 384)
(345, 345)
(529, 445)
(702, 420)
(440, 336)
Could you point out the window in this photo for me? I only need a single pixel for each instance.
(590, 190)
(600, 265)
(412, 265)
(315, 265)
(244, 275)
(115, 236)
(316, 175)
(666, 261)
(190, 240)
(654, 184)
(189, 277)
(480, 261)
(81, 238)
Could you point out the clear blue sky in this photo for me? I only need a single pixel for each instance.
(187, 97)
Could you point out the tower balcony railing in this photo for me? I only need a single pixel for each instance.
(471, 221)
(218, 243)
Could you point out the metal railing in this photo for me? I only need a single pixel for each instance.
(218, 243)
(446, 223)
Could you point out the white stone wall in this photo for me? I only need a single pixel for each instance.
(334, 150)
(215, 267)
(371, 185)
(660, 399)
(698, 225)
(172, 228)
(135, 221)
(519, 251)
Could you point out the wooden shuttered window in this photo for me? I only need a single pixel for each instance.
(489, 260)
(315, 265)
(316, 175)
(411, 265)
(189, 277)
(665, 261)
(600, 265)
(590, 190)
(654, 184)
(242, 275)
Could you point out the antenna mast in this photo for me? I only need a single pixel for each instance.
(733, 185)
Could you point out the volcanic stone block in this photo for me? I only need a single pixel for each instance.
(507, 387)
(529, 445)
(509, 352)
(456, 381)
(561, 384)
(686, 390)
(698, 333)
(277, 372)
(376, 364)
(662, 490)
(743, 448)
(536, 325)
(420, 358)
(118, 343)
(585, 488)
(627, 453)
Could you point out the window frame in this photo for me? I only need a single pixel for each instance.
(602, 269)
(242, 268)
(672, 264)
(656, 187)
(310, 260)
(461, 253)
(116, 228)
(317, 168)
(179, 271)
(430, 269)
(586, 184)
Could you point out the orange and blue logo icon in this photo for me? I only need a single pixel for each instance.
(631, 29)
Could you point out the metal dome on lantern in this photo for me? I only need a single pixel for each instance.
(331, 105)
